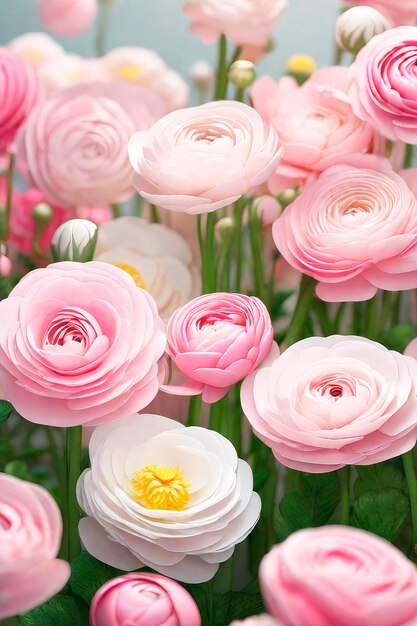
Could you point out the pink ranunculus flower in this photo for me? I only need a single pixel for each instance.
(98, 215)
(19, 92)
(216, 340)
(204, 158)
(384, 84)
(354, 230)
(327, 402)
(36, 48)
(74, 147)
(315, 123)
(66, 357)
(143, 600)
(30, 537)
(339, 576)
(399, 12)
(67, 17)
(244, 22)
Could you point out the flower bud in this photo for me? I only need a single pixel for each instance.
(202, 74)
(74, 240)
(301, 67)
(268, 209)
(242, 74)
(5, 266)
(286, 197)
(356, 27)
(225, 228)
(42, 213)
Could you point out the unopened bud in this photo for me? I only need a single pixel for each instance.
(242, 74)
(356, 27)
(225, 228)
(268, 209)
(42, 213)
(74, 240)
(202, 74)
(286, 197)
(301, 67)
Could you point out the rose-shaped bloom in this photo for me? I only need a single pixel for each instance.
(79, 343)
(204, 158)
(334, 401)
(244, 22)
(164, 496)
(30, 537)
(258, 620)
(75, 150)
(340, 576)
(36, 48)
(384, 84)
(354, 230)
(315, 123)
(398, 12)
(157, 258)
(216, 340)
(67, 17)
(143, 600)
(19, 91)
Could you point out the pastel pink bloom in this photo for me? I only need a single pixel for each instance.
(30, 537)
(74, 147)
(258, 620)
(327, 402)
(354, 230)
(384, 84)
(19, 92)
(67, 17)
(204, 158)
(98, 215)
(65, 356)
(5, 266)
(67, 71)
(315, 123)
(244, 22)
(339, 576)
(216, 340)
(36, 48)
(143, 600)
(398, 12)
(22, 225)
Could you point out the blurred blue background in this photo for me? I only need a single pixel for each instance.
(305, 26)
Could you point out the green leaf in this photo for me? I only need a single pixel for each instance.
(379, 477)
(398, 337)
(5, 409)
(236, 606)
(380, 512)
(60, 610)
(202, 596)
(260, 476)
(88, 575)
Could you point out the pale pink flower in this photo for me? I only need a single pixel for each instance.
(327, 402)
(30, 537)
(36, 48)
(69, 70)
(19, 92)
(399, 12)
(98, 215)
(65, 358)
(204, 158)
(315, 123)
(384, 84)
(143, 600)
(354, 230)
(67, 17)
(340, 576)
(244, 22)
(216, 340)
(5, 266)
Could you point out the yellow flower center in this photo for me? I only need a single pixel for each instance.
(129, 72)
(160, 487)
(134, 273)
(33, 56)
(301, 63)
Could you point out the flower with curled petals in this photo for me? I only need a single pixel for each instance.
(79, 344)
(354, 230)
(30, 537)
(327, 402)
(204, 158)
(156, 526)
(340, 576)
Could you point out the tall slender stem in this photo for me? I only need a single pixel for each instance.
(301, 312)
(255, 232)
(221, 86)
(4, 226)
(239, 211)
(211, 270)
(103, 27)
(74, 452)
(194, 409)
(410, 474)
(345, 487)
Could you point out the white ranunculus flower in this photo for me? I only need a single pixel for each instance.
(158, 259)
(164, 496)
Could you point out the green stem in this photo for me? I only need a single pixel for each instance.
(306, 294)
(224, 264)
(408, 159)
(221, 86)
(11, 621)
(388, 306)
(339, 53)
(116, 210)
(103, 27)
(237, 421)
(410, 474)
(201, 244)
(74, 454)
(322, 314)
(357, 317)
(239, 211)
(255, 233)
(194, 410)
(370, 317)
(154, 215)
(210, 247)
(345, 501)
(4, 234)
(240, 94)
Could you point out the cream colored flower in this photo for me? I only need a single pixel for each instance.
(158, 259)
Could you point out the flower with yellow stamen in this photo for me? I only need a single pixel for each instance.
(134, 273)
(161, 487)
(301, 67)
(129, 72)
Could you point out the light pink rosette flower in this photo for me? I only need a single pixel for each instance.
(327, 402)
(65, 355)
(19, 92)
(216, 340)
(30, 537)
(244, 22)
(67, 17)
(384, 84)
(36, 48)
(315, 123)
(75, 150)
(339, 576)
(143, 600)
(354, 230)
(398, 12)
(204, 158)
